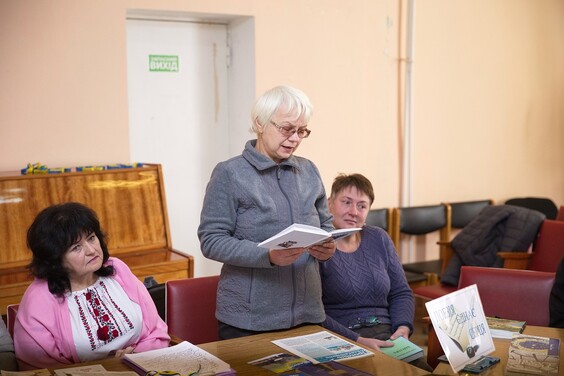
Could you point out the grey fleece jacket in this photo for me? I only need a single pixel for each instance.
(248, 199)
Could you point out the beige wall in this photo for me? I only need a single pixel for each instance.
(489, 100)
(488, 88)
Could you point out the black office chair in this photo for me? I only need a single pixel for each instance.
(423, 220)
(464, 212)
(380, 218)
(541, 204)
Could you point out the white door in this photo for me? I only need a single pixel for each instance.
(177, 84)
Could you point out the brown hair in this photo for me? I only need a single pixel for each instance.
(358, 181)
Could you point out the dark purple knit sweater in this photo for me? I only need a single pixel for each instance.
(367, 282)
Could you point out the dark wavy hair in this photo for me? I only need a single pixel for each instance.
(52, 233)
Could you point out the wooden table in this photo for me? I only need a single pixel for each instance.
(237, 352)
(502, 352)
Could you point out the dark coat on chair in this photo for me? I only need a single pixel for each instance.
(497, 228)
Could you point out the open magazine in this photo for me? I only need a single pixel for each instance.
(322, 347)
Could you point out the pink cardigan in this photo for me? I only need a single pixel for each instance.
(43, 333)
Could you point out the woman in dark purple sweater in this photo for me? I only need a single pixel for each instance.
(366, 296)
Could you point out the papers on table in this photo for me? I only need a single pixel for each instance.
(322, 347)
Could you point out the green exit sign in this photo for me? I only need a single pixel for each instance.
(163, 63)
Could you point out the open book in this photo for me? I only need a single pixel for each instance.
(299, 236)
(183, 358)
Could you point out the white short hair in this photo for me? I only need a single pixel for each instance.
(285, 98)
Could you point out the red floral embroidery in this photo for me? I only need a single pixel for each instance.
(108, 325)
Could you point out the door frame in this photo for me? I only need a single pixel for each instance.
(240, 87)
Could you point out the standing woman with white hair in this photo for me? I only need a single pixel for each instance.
(250, 198)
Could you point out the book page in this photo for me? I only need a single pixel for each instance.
(184, 358)
(344, 232)
(306, 228)
(322, 347)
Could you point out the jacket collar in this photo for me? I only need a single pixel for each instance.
(261, 162)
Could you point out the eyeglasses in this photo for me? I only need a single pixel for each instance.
(289, 131)
(360, 322)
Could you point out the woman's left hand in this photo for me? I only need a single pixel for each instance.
(324, 251)
(374, 343)
(401, 331)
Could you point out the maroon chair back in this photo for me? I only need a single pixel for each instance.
(11, 312)
(548, 249)
(190, 309)
(511, 293)
(431, 292)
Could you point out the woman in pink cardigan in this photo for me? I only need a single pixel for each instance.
(83, 304)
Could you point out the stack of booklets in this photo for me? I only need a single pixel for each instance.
(533, 355)
(183, 358)
(505, 329)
